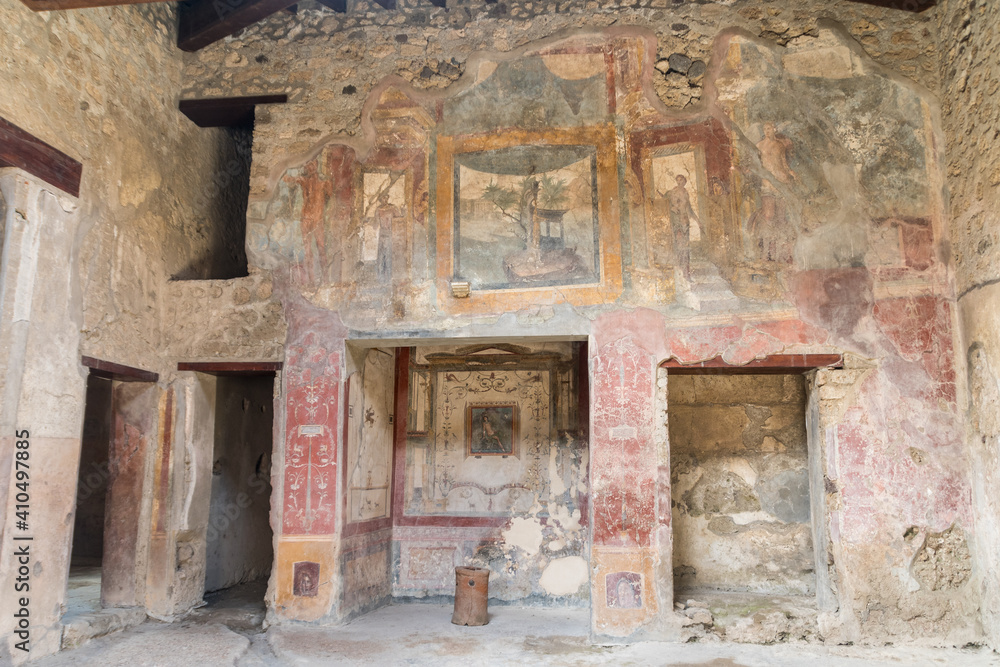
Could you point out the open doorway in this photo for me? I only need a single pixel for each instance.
(105, 583)
(239, 549)
(492, 471)
(469, 454)
(741, 497)
(87, 555)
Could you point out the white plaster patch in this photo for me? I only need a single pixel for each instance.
(564, 576)
(568, 522)
(907, 579)
(526, 534)
(742, 467)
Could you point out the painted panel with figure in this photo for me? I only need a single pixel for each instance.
(527, 216)
(529, 211)
(491, 430)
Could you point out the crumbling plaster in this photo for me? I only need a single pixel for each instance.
(328, 63)
(139, 223)
(968, 35)
(101, 86)
(903, 327)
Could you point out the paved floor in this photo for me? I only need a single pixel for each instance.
(83, 590)
(227, 632)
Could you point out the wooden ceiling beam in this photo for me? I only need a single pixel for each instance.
(112, 371)
(25, 151)
(226, 111)
(785, 364)
(231, 368)
(203, 22)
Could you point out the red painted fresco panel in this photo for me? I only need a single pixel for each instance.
(623, 457)
(314, 372)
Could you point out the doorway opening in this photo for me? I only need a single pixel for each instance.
(239, 545)
(87, 554)
(105, 582)
(741, 497)
(472, 454)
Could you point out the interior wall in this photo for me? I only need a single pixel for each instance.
(239, 539)
(370, 431)
(92, 485)
(764, 219)
(969, 35)
(222, 232)
(740, 484)
(497, 477)
(102, 86)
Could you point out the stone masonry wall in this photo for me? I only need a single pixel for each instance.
(970, 79)
(81, 81)
(738, 460)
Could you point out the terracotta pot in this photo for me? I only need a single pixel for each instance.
(471, 590)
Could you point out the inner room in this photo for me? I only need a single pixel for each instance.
(239, 552)
(740, 491)
(84, 586)
(467, 455)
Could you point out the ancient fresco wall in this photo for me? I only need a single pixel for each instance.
(494, 472)
(968, 36)
(739, 484)
(797, 209)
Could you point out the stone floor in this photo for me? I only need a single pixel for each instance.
(227, 631)
(84, 618)
(83, 590)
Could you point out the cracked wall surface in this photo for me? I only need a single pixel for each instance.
(969, 80)
(723, 179)
(739, 484)
(550, 192)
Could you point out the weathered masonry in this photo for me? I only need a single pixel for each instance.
(681, 313)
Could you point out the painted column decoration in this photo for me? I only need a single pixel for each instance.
(624, 478)
(313, 409)
(307, 553)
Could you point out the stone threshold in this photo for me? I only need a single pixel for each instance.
(79, 629)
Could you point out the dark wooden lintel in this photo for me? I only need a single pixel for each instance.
(202, 22)
(904, 5)
(225, 111)
(231, 367)
(778, 364)
(24, 151)
(120, 372)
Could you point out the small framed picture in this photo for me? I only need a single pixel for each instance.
(491, 429)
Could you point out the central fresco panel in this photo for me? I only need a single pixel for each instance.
(551, 183)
